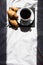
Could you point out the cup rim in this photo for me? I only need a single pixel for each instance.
(23, 18)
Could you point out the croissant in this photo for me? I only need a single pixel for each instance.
(14, 8)
(12, 13)
(13, 22)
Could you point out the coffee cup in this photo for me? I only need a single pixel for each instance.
(25, 14)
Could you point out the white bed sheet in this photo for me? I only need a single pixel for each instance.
(22, 46)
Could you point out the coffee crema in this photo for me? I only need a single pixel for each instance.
(25, 13)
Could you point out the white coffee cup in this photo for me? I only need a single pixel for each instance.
(25, 14)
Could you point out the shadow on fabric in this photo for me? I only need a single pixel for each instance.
(40, 33)
(3, 31)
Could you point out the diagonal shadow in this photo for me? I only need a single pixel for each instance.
(3, 32)
(40, 33)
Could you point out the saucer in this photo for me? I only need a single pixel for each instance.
(25, 23)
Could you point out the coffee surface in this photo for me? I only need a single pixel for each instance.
(25, 13)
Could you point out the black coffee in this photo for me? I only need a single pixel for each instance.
(25, 13)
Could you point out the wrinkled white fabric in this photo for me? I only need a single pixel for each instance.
(22, 46)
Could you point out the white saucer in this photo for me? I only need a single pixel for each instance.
(28, 23)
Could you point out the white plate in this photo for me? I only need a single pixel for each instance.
(28, 23)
